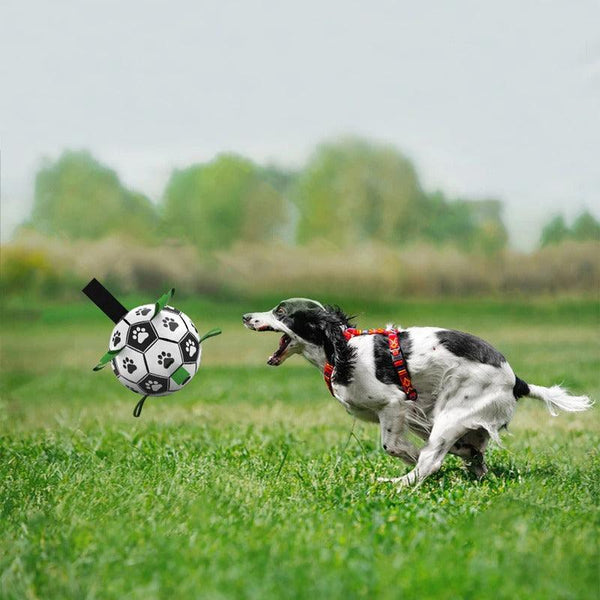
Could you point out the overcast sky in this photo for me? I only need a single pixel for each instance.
(497, 99)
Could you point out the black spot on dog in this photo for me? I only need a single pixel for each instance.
(405, 344)
(384, 368)
(520, 389)
(470, 347)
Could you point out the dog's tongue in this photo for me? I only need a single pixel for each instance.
(275, 358)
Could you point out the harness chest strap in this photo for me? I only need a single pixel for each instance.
(396, 354)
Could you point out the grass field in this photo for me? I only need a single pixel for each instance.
(253, 483)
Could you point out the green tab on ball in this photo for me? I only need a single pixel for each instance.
(180, 376)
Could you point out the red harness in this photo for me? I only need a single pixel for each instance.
(397, 359)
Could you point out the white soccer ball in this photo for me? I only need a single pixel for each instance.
(151, 350)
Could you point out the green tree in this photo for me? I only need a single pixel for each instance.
(77, 197)
(448, 221)
(213, 205)
(473, 225)
(555, 231)
(353, 190)
(585, 228)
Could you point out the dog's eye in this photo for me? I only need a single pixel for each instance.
(280, 311)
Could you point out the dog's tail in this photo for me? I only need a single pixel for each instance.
(555, 397)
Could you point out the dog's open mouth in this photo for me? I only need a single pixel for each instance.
(277, 357)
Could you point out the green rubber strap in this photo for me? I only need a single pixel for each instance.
(163, 301)
(180, 376)
(137, 411)
(106, 359)
(211, 333)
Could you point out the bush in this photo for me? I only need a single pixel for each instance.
(30, 269)
(38, 265)
(45, 266)
(378, 271)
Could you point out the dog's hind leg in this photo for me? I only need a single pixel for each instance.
(471, 448)
(393, 431)
(447, 429)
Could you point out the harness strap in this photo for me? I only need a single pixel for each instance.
(396, 354)
(327, 373)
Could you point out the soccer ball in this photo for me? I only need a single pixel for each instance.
(152, 349)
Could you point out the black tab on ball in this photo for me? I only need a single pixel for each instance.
(104, 300)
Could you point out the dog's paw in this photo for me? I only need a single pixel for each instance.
(389, 479)
(403, 483)
(409, 480)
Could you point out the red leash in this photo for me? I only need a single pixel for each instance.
(397, 359)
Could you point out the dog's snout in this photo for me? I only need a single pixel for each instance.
(246, 318)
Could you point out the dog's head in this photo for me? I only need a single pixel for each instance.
(308, 327)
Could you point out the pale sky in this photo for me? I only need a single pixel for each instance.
(489, 99)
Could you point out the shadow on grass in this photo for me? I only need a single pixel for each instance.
(508, 473)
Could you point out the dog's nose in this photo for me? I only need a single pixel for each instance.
(246, 318)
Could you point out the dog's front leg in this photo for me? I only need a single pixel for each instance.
(393, 430)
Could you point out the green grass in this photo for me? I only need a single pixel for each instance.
(253, 483)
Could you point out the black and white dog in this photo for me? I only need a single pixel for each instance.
(467, 391)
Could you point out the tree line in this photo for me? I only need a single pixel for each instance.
(350, 191)
(585, 227)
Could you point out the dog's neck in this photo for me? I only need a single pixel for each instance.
(315, 355)
(336, 352)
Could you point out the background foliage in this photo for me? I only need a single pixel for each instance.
(351, 191)
(77, 197)
(355, 219)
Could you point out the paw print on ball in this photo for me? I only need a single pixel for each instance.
(169, 325)
(118, 335)
(140, 314)
(141, 336)
(165, 359)
(129, 365)
(154, 385)
(190, 349)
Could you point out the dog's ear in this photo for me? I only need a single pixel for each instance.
(335, 312)
(337, 349)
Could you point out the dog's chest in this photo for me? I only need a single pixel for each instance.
(365, 392)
